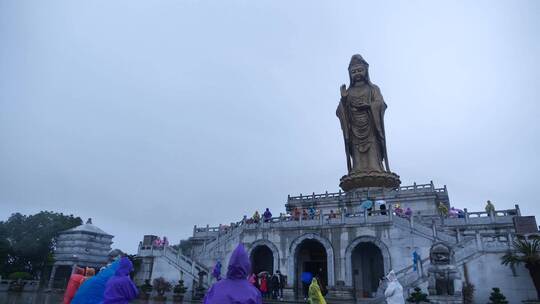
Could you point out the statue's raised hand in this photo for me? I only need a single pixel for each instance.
(343, 90)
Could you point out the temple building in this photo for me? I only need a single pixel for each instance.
(350, 239)
(83, 246)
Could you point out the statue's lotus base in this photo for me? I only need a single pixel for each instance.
(357, 180)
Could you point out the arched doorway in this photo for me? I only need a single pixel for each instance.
(262, 259)
(310, 257)
(367, 269)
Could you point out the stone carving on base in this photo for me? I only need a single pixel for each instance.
(444, 279)
(361, 114)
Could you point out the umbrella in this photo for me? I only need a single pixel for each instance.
(262, 272)
(366, 204)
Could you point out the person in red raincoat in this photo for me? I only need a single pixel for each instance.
(74, 283)
(264, 285)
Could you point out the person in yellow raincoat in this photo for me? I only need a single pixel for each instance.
(315, 294)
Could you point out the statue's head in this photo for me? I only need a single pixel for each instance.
(358, 70)
(440, 254)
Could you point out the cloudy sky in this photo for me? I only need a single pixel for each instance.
(154, 116)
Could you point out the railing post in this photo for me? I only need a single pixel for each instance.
(343, 216)
(365, 216)
(466, 215)
(458, 235)
(492, 216)
(432, 186)
(390, 211)
(518, 212)
(478, 239)
(509, 237)
(411, 222)
(194, 229)
(433, 228)
(414, 186)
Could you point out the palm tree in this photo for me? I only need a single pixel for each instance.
(526, 252)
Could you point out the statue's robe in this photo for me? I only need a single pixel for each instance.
(361, 114)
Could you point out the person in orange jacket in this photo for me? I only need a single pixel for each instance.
(73, 285)
(89, 272)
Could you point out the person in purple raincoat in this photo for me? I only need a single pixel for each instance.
(216, 273)
(235, 288)
(120, 288)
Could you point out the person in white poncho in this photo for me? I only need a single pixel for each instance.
(394, 291)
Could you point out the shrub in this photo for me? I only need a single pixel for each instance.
(161, 285)
(180, 288)
(20, 276)
(497, 297)
(417, 296)
(146, 287)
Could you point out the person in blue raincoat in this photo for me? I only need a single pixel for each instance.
(93, 289)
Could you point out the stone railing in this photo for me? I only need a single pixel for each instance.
(415, 188)
(28, 285)
(206, 231)
(426, 225)
(472, 218)
(363, 217)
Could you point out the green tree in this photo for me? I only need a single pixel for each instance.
(496, 297)
(4, 249)
(526, 252)
(31, 239)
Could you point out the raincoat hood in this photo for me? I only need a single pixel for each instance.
(315, 294)
(394, 290)
(90, 272)
(239, 265)
(78, 270)
(120, 289)
(391, 276)
(235, 289)
(125, 267)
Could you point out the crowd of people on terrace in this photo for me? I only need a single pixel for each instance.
(369, 206)
(160, 243)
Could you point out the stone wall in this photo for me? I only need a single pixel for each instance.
(486, 272)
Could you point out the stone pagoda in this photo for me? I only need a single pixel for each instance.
(84, 246)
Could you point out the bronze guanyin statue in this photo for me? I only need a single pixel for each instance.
(361, 114)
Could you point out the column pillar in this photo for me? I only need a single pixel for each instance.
(51, 279)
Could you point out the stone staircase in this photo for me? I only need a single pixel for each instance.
(178, 261)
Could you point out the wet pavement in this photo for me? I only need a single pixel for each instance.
(56, 298)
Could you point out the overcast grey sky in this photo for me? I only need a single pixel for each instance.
(153, 116)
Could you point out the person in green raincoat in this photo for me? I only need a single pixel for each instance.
(315, 294)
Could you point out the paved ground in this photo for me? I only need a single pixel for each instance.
(55, 298)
